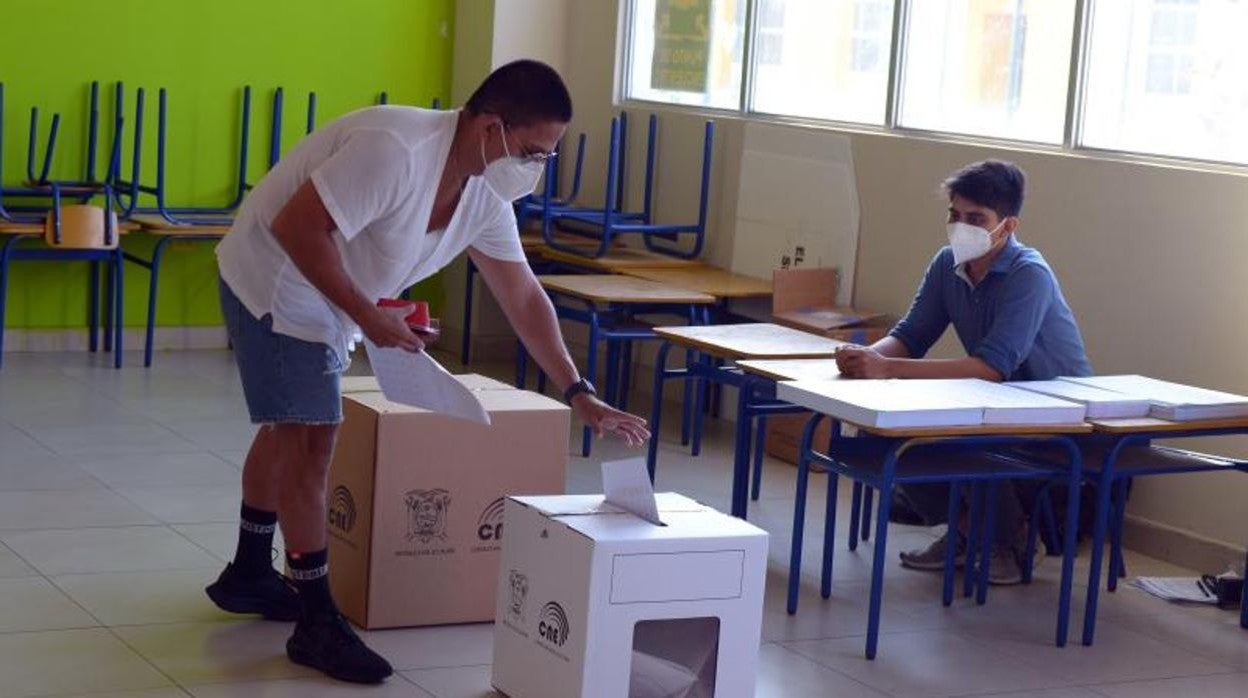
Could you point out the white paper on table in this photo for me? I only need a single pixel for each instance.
(626, 484)
(415, 379)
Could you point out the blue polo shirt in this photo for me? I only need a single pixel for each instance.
(1015, 320)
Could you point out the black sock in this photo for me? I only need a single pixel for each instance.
(310, 572)
(254, 555)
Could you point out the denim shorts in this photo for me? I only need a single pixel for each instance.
(285, 380)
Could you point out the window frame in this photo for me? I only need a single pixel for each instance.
(1072, 132)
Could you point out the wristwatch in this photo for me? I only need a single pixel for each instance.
(581, 386)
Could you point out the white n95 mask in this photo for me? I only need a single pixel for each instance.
(510, 177)
(968, 241)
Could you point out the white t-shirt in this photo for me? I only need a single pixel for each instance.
(377, 171)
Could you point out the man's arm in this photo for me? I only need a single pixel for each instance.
(532, 316)
(304, 229)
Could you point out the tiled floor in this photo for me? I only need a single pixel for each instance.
(118, 496)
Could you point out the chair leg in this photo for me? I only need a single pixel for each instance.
(855, 514)
(687, 406)
(656, 407)
(1117, 567)
(986, 546)
(4, 291)
(591, 372)
(972, 537)
(876, 599)
(699, 413)
(110, 307)
(613, 373)
(626, 374)
(951, 547)
(93, 307)
(119, 303)
(829, 535)
(868, 493)
(157, 254)
(760, 437)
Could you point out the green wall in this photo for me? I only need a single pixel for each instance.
(202, 52)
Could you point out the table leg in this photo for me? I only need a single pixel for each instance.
(465, 342)
(760, 438)
(881, 552)
(1117, 567)
(868, 493)
(829, 534)
(986, 541)
(972, 536)
(741, 454)
(687, 407)
(699, 414)
(799, 519)
(93, 309)
(855, 514)
(1071, 540)
(656, 407)
(1101, 522)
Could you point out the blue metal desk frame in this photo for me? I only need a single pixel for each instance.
(888, 474)
(610, 322)
(1112, 480)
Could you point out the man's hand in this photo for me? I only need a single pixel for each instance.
(387, 327)
(862, 362)
(604, 419)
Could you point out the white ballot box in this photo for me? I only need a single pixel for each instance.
(596, 601)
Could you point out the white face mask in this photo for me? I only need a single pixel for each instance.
(510, 177)
(968, 241)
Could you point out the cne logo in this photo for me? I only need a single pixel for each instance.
(342, 509)
(490, 523)
(426, 514)
(552, 625)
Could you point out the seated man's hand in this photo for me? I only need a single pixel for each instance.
(862, 362)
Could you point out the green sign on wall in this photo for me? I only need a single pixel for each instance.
(682, 45)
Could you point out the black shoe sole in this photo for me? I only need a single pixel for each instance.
(250, 605)
(306, 659)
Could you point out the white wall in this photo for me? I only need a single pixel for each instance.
(1150, 257)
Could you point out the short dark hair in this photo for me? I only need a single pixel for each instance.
(996, 184)
(523, 92)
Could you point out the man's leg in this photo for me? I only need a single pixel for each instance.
(249, 583)
(931, 502)
(322, 639)
(1009, 536)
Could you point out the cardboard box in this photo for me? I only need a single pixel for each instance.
(368, 384)
(805, 299)
(784, 435)
(595, 601)
(416, 501)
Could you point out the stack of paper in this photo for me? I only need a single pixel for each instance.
(1187, 589)
(883, 403)
(1100, 403)
(1007, 405)
(1172, 401)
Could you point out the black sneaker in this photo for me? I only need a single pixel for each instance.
(270, 595)
(327, 643)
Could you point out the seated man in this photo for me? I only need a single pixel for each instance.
(1008, 311)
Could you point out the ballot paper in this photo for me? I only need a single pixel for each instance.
(655, 677)
(626, 484)
(415, 379)
(1172, 401)
(1184, 589)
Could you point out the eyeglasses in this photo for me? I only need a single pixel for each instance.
(527, 154)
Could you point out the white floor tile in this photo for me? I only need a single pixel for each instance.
(45, 473)
(65, 662)
(217, 434)
(18, 447)
(111, 439)
(185, 505)
(442, 646)
(160, 470)
(226, 652)
(928, 663)
(32, 603)
(1220, 686)
(783, 673)
(12, 566)
(1076, 692)
(73, 509)
(1118, 654)
(129, 549)
(1206, 632)
(395, 687)
(456, 682)
(142, 598)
